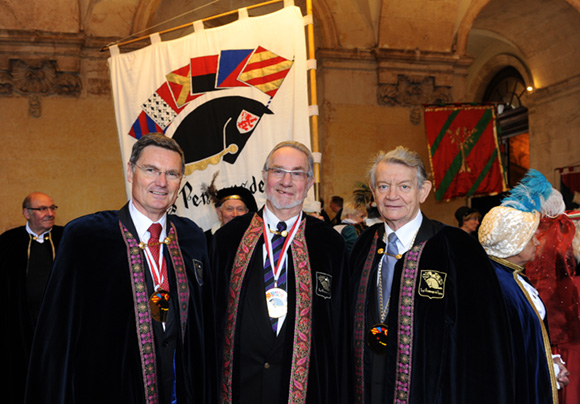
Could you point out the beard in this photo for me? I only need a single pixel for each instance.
(288, 205)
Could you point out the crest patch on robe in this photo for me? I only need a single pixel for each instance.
(323, 285)
(198, 270)
(432, 284)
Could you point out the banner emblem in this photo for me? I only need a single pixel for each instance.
(464, 151)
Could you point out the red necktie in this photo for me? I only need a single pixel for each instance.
(155, 248)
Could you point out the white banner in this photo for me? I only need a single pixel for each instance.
(227, 95)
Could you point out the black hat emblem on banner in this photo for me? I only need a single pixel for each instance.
(218, 130)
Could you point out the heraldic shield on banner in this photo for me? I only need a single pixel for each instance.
(227, 95)
(463, 151)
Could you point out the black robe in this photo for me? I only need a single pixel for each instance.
(257, 351)
(17, 314)
(459, 335)
(86, 348)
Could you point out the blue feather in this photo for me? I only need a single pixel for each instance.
(529, 194)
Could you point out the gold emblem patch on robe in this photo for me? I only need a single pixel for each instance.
(432, 284)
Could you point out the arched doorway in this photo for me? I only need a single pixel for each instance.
(505, 90)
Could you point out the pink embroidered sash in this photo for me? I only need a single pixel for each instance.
(144, 325)
(303, 318)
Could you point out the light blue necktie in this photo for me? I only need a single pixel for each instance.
(389, 268)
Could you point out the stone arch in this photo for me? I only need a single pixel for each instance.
(470, 16)
(466, 23)
(326, 28)
(491, 68)
(144, 14)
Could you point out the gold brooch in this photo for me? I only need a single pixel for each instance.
(143, 245)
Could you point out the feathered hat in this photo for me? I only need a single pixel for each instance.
(506, 229)
(535, 193)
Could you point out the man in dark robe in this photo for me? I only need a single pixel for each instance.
(283, 326)
(27, 255)
(415, 341)
(128, 313)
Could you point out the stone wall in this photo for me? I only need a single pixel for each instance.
(554, 122)
(70, 152)
(361, 116)
(61, 137)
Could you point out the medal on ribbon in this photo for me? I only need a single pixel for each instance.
(277, 301)
(159, 305)
(377, 338)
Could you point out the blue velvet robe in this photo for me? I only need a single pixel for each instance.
(530, 364)
(86, 348)
(461, 347)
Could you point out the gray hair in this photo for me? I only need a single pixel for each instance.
(158, 140)
(399, 155)
(295, 145)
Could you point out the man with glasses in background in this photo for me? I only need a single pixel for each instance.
(282, 295)
(128, 315)
(27, 256)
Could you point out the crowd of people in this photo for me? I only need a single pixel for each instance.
(282, 304)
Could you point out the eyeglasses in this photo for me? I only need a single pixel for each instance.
(154, 172)
(296, 175)
(45, 209)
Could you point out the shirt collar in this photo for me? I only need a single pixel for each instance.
(271, 220)
(406, 234)
(142, 223)
(37, 237)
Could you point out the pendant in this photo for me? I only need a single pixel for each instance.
(159, 305)
(377, 338)
(277, 301)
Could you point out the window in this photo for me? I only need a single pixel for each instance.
(506, 90)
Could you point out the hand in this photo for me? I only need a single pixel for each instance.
(562, 377)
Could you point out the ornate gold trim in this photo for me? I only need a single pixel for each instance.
(507, 263)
